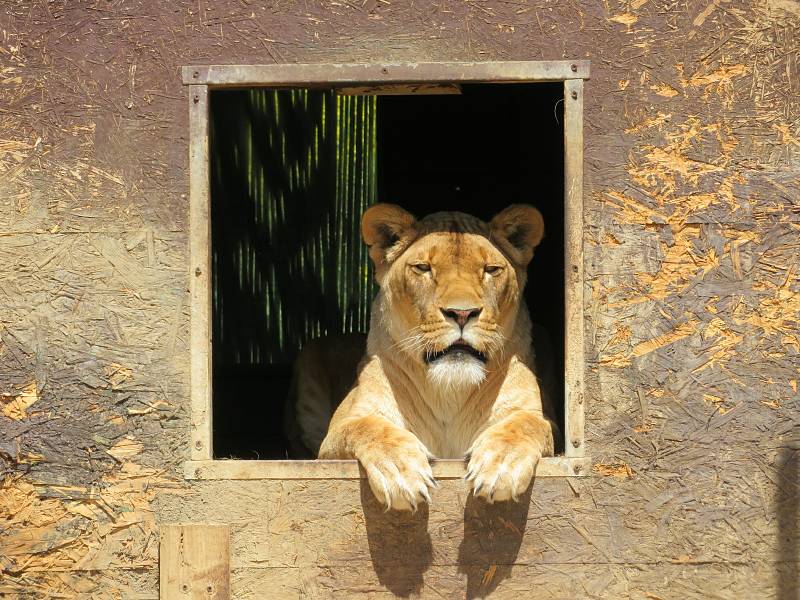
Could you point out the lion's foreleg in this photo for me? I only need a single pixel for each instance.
(396, 462)
(503, 459)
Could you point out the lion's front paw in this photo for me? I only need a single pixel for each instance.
(499, 470)
(399, 472)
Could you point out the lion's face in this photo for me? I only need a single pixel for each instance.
(451, 285)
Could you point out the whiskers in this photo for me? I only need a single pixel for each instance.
(418, 341)
(492, 344)
(426, 340)
(414, 341)
(453, 373)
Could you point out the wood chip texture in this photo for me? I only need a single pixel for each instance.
(692, 303)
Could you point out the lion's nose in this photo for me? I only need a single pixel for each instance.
(461, 316)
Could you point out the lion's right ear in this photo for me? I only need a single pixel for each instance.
(387, 230)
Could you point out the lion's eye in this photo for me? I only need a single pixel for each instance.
(422, 267)
(492, 269)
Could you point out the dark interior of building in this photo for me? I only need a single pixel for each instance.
(291, 173)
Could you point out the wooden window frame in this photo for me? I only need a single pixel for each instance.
(201, 79)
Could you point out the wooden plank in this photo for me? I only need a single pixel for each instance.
(350, 469)
(334, 74)
(502, 582)
(200, 276)
(401, 89)
(194, 562)
(575, 361)
(306, 523)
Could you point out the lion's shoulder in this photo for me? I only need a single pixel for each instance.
(324, 371)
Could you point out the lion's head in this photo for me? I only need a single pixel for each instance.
(451, 285)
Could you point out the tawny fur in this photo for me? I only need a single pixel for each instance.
(324, 372)
(404, 410)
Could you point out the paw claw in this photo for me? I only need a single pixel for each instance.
(400, 477)
(500, 471)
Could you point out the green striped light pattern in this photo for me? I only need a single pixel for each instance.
(291, 173)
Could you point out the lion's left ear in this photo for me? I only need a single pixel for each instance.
(518, 229)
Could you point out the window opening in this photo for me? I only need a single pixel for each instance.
(292, 170)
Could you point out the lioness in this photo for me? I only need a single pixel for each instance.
(325, 370)
(449, 370)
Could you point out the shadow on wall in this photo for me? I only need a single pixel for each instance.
(492, 538)
(787, 503)
(401, 549)
(399, 544)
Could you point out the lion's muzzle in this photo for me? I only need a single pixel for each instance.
(459, 349)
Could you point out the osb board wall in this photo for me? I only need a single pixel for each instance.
(692, 308)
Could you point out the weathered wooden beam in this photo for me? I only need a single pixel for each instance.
(401, 89)
(350, 469)
(200, 276)
(194, 562)
(382, 73)
(574, 358)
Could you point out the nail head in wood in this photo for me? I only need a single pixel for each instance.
(198, 444)
(574, 68)
(198, 271)
(574, 95)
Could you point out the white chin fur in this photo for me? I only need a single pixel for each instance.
(454, 372)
